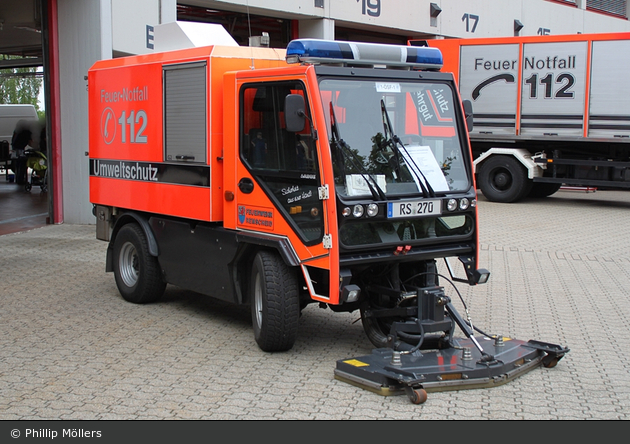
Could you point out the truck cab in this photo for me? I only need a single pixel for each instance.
(369, 188)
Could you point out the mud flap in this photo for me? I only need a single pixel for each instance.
(388, 372)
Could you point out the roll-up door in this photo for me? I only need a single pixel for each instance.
(185, 98)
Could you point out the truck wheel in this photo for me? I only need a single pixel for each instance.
(137, 273)
(275, 302)
(543, 189)
(503, 179)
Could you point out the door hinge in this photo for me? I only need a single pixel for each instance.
(323, 192)
(327, 241)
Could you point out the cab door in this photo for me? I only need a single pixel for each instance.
(279, 191)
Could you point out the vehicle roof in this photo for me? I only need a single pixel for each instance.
(216, 51)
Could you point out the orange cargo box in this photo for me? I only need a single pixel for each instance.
(156, 128)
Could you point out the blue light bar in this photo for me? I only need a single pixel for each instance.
(359, 53)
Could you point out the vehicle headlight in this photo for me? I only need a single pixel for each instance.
(357, 211)
(372, 210)
(451, 205)
(464, 204)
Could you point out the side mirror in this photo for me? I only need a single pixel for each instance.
(294, 116)
(468, 112)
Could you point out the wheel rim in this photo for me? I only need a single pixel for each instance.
(129, 266)
(502, 180)
(258, 296)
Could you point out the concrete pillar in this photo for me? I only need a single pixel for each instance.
(85, 36)
(323, 28)
(168, 11)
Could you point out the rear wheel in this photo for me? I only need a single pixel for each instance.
(503, 179)
(137, 273)
(275, 302)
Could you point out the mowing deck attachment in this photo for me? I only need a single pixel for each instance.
(439, 363)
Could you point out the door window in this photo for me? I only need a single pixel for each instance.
(283, 163)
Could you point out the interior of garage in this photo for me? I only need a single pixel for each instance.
(241, 25)
(22, 54)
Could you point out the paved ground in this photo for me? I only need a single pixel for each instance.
(71, 348)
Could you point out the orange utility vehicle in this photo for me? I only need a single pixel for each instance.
(549, 110)
(330, 172)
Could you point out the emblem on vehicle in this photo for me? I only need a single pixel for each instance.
(241, 214)
(108, 125)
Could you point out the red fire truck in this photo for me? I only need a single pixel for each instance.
(550, 111)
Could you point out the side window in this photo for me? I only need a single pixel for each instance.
(284, 163)
(265, 143)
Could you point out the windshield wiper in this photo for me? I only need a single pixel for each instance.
(393, 140)
(375, 190)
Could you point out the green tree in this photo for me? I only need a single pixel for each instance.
(19, 85)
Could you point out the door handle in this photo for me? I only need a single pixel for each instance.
(246, 185)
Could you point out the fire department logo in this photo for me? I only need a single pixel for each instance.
(241, 214)
(108, 125)
(256, 218)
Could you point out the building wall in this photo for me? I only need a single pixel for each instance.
(87, 33)
(90, 30)
(132, 22)
(459, 18)
(84, 37)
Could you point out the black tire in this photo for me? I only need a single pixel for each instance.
(275, 302)
(543, 189)
(138, 274)
(503, 179)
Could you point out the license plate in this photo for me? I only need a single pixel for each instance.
(414, 208)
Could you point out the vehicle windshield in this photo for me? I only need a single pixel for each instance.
(420, 151)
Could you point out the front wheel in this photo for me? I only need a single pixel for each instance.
(137, 273)
(275, 302)
(503, 179)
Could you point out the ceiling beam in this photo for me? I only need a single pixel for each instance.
(29, 62)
